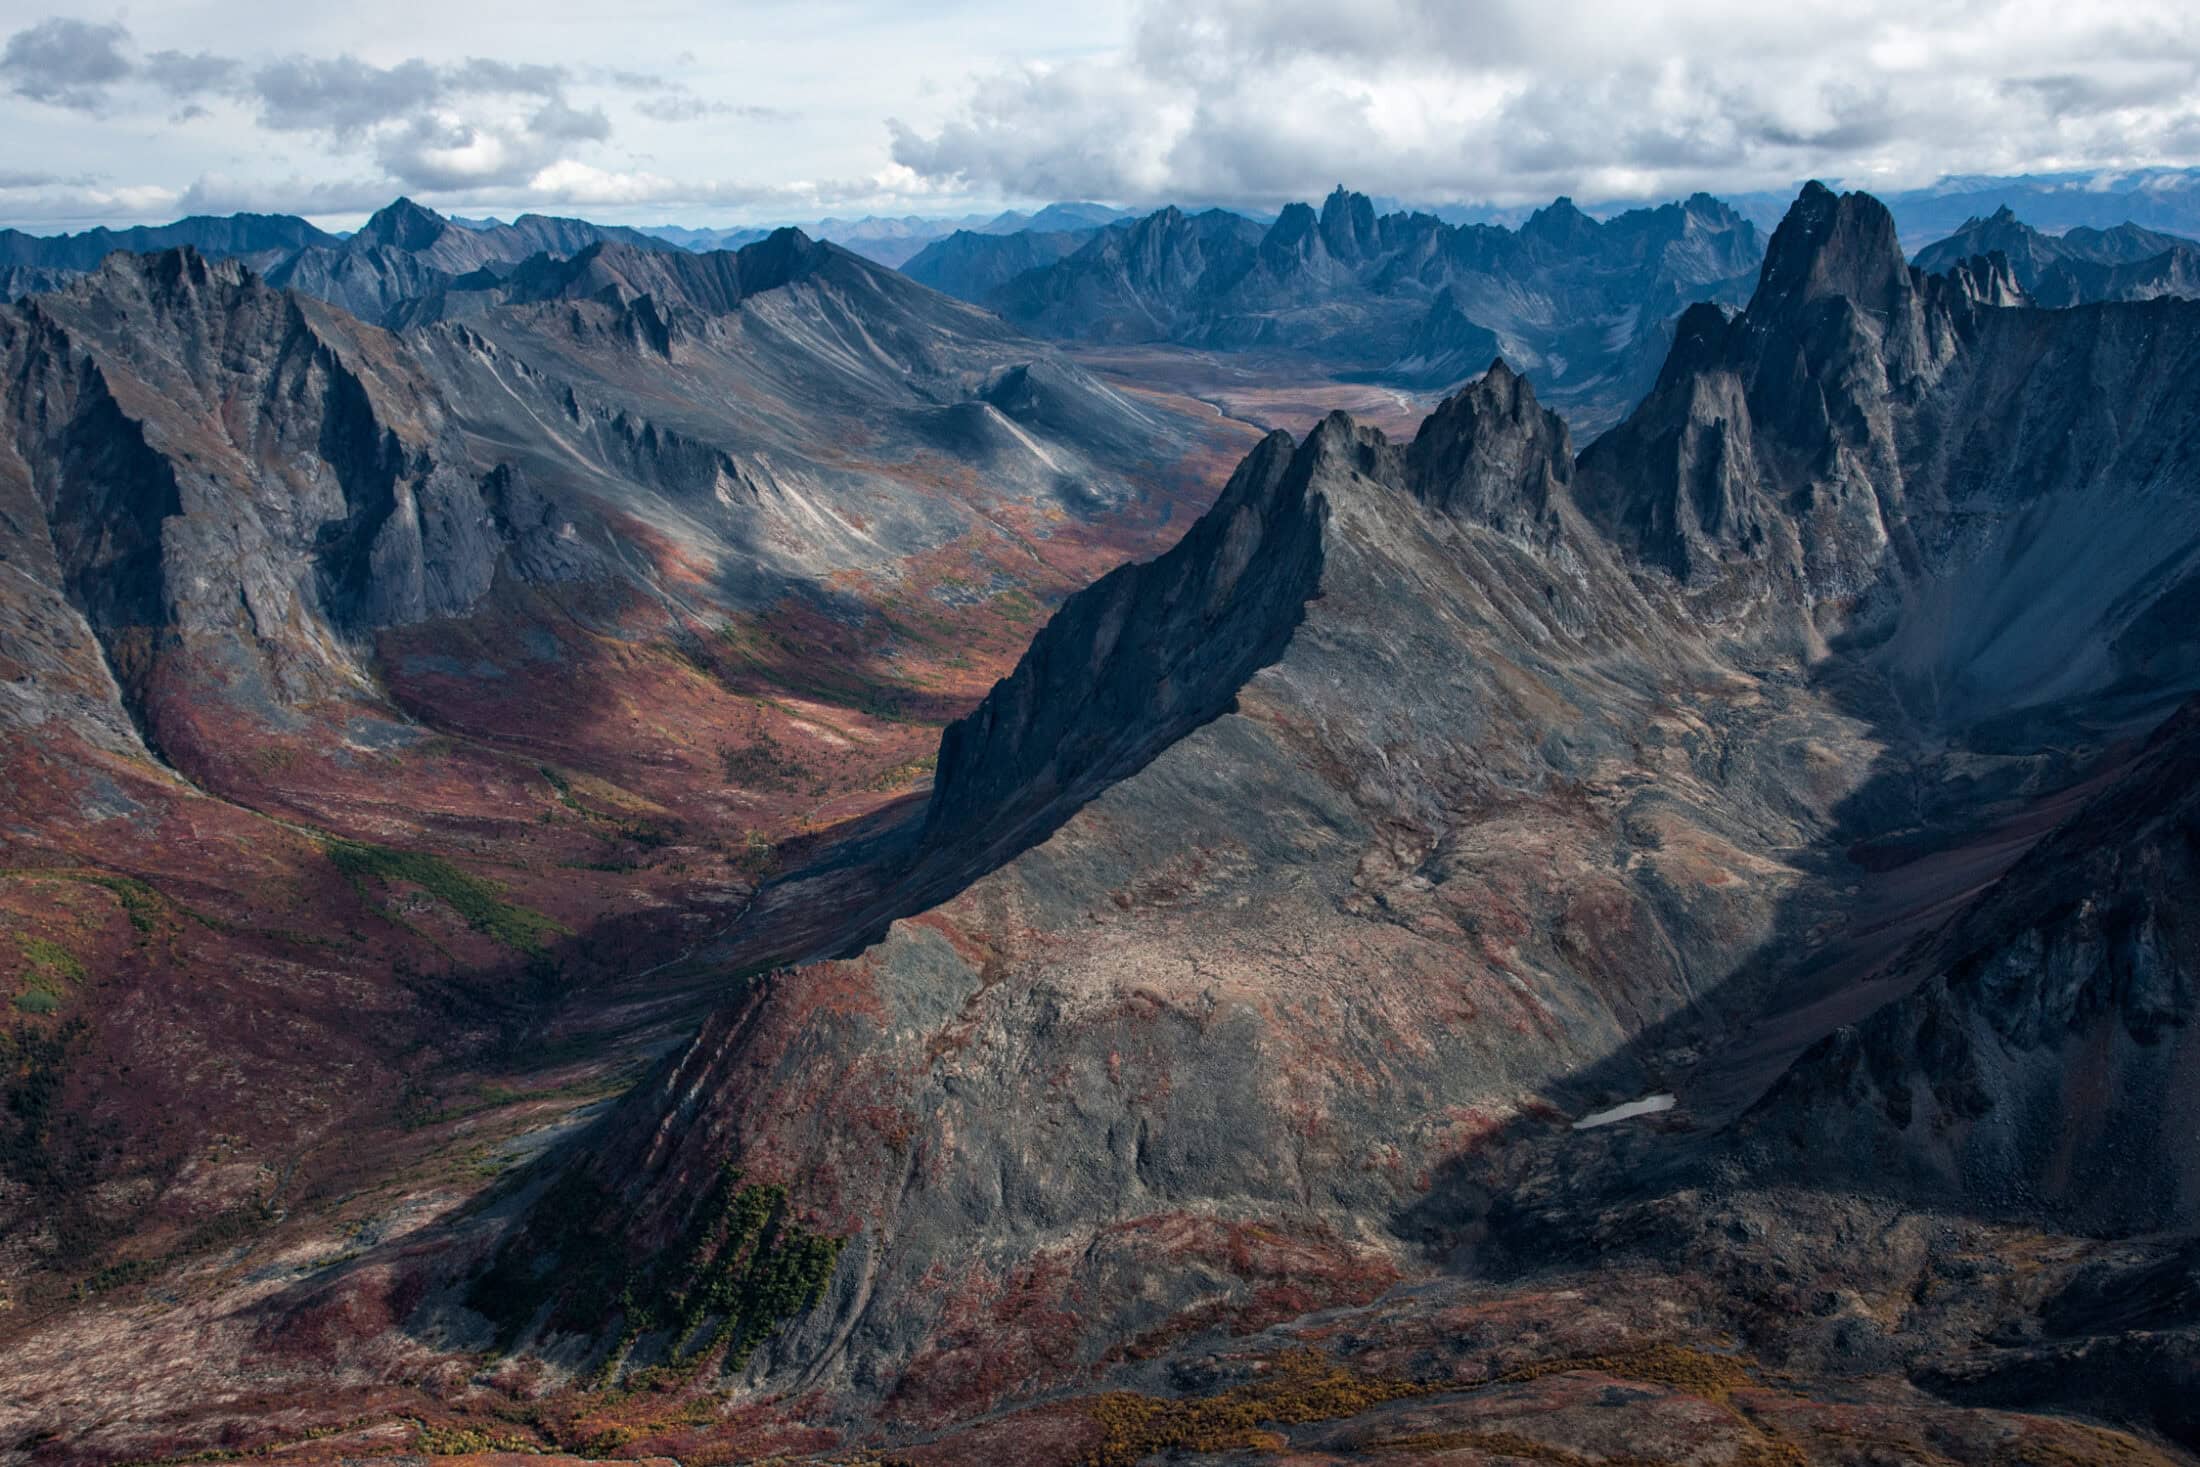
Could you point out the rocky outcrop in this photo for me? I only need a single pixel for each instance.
(1988, 280)
(1152, 651)
(1490, 453)
(1870, 446)
(1133, 663)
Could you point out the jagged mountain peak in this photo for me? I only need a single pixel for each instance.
(783, 256)
(1492, 453)
(1832, 245)
(1294, 221)
(1155, 649)
(1699, 337)
(1134, 661)
(403, 224)
(176, 296)
(1559, 223)
(180, 267)
(1348, 224)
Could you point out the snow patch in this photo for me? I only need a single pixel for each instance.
(1649, 1105)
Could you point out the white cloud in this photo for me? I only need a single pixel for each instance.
(1260, 101)
(863, 105)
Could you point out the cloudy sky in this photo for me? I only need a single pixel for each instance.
(651, 112)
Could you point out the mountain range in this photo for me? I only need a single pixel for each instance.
(1580, 303)
(1399, 299)
(893, 241)
(2155, 198)
(2077, 267)
(722, 856)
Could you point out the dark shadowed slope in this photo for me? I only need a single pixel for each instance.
(2043, 1062)
(971, 266)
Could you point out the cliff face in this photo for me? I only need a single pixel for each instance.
(232, 486)
(1887, 456)
(1770, 440)
(1129, 666)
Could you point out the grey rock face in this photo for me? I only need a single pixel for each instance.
(1133, 663)
(1491, 454)
(1885, 463)
(228, 476)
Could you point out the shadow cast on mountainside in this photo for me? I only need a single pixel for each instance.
(1934, 826)
(1925, 833)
